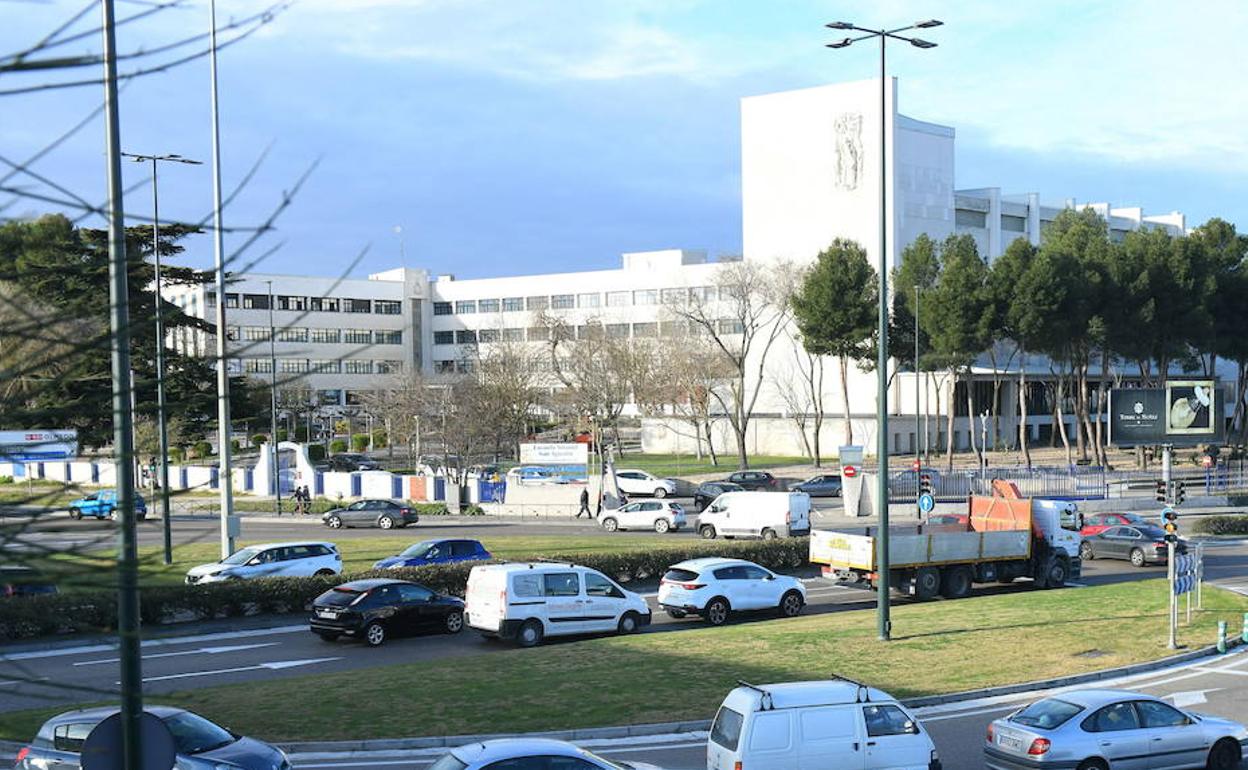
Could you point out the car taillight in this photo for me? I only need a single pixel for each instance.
(990, 734)
(25, 752)
(737, 765)
(1038, 747)
(691, 586)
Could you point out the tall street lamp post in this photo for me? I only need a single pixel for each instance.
(275, 474)
(881, 408)
(161, 416)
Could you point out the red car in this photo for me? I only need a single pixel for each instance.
(1096, 523)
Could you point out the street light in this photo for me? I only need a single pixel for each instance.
(881, 369)
(162, 426)
(275, 474)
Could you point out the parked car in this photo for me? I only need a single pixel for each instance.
(754, 480)
(375, 610)
(1096, 523)
(662, 516)
(528, 602)
(710, 490)
(1140, 545)
(1111, 728)
(436, 552)
(295, 559)
(199, 743)
(756, 514)
(103, 505)
(634, 482)
(823, 485)
(529, 754)
(19, 580)
(348, 462)
(714, 587)
(824, 724)
(386, 514)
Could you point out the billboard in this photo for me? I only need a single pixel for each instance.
(1182, 413)
(36, 444)
(554, 463)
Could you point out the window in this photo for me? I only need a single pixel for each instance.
(442, 308)
(617, 331)
(561, 584)
(513, 304)
(674, 296)
(487, 306)
(466, 337)
(231, 300)
(563, 302)
(513, 335)
(323, 304)
(326, 335)
(465, 306)
(730, 573)
(527, 585)
(293, 365)
(589, 332)
(1156, 714)
(352, 366)
(387, 307)
(70, 738)
(210, 299)
(702, 294)
(257, 366)
(756, 573)
(357, 306)
(444, 338)
(357, 336)
(1112, 718)
(730, 326)
(287, 302)
(388, 367)
(192, 734)
(1013, 224)
(888, 720)
(329, 397)
(415, 593)
(646, 330)
(597, 585)
(537, 303)
(589, 300)
(726, 731)
(618, 298)
(967, 218)
(487, 335)
(255, 333)
(292, 334)
(444, 367)
(538, 334)
(324, 366)
(388, 337)
(256, 301)
(646, 297)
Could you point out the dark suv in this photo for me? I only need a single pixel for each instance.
(374, 610)
(350, 461)
(755, 481)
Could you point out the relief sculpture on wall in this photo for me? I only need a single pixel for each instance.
(848, 150)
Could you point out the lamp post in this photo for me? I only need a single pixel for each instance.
(161, 417)
(881, 408)
(918, 426)
(273, 455)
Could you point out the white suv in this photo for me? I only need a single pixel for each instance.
(715, 587)
(633, 482)
(297, 559)
(660, 515)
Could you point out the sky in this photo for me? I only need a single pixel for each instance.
(507, 137)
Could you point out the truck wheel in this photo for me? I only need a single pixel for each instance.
(769, 534)
(707, 532)
(926, 583)
(1058, 571)
(956, 582)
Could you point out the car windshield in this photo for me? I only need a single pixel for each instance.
(339, 596)
(242, 556)
(418, 550)
(1047, 714)
(677, 575)
(192, 734)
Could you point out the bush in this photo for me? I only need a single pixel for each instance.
(6, 479)
(337, 445)
(283, 435)
(177, 454)
(301, 435)
(235, 446)
(359, 442)
(1222, 525)
(202, 449)
(258, 439)
(379, 439)
(316, 452)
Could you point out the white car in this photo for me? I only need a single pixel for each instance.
(633, 482)
(715, 587)
(295, 559)
(541, 753)
(660, 515)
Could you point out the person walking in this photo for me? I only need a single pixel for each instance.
(585, 505)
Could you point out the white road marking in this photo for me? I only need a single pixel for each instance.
(1190, 697)
(8, 682)
(200, 651)
(162, 642)
(276, 665)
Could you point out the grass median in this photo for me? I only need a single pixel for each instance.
(938, 647)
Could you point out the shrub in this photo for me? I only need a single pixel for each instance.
(1222, 525)
(258, 439)
(337, 445)
(379, 439)
(283, 435)
(359, 442)
(234, 445)
(301, 435)
(177, 454)
(202, 449)
(316, 452)
(6, 479)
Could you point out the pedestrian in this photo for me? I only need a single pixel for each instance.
(584, 505)
(305, 499)
(298, 499)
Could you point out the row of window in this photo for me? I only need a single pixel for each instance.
(321, 366)
(586, 331)
(304, 334)
(591, 300)
(305, 304)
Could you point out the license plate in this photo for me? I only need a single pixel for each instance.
(327, 614)
(1007, 742)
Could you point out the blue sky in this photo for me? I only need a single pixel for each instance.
(521, 136)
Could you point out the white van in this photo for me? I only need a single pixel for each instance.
(756, 514)
(800, 725)
(530, 601)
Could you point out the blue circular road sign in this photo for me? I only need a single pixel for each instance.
(926, 503)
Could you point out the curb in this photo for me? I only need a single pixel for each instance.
(346, 749)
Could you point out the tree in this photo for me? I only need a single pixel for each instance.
(399, 404)
(835, 311)
(1007, 307)
(692, 367)
(509, 373)
(919, 269)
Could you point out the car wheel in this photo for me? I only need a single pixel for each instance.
(717, 611)
(1137, 557)
(662, 526)
(707, 532)
(791, 605)
(333, 522)
(1085, 551)
(955, 583)
(628, 624)
(112, 514)
(926, 583)
(327, 636)
(374, 634)
(1225, 755)
(769, 534)
(385, 522)
(530, 634)
(678, 614)
(323, 573)
(1093, 764)
(610, 524)
(454, 622)
(660, 493)
(74, 513)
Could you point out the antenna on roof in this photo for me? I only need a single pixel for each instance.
(765, 703)
(864, 692)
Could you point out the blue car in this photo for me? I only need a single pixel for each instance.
(436, 552)
(103, 505)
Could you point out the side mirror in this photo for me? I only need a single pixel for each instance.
(770, 577)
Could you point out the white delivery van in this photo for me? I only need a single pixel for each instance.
(526, 602)
(756, 514)
(832, 724)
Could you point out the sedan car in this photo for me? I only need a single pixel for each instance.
(386, 514)
(823, 485)
(200, 744)
(103, 505)
(1096, 523)
(714, 588)
(662, 516)
(755, 481)
(1140, 545)
(529, 754)
(374, 610)
(18, 580)
(436, 552)
(642, 483)
(349, 462)
(711, 490)
(1100, 729)
(297, 559)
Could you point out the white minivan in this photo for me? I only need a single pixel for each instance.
(756, 514)
(526, 602)
(824, 724)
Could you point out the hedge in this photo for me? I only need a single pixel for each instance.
(96, 611)
(1222, 525)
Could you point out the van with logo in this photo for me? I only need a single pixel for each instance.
(767, 515)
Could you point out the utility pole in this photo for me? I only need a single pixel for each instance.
(273, 454)
(918, 427)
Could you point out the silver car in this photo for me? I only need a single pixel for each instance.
(1118, 729)
(529, 754)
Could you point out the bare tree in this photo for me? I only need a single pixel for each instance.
(802, 393)
(511, 375)
(688, 368)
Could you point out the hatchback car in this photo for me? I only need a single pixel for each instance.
(823, 485)
(1140, 545)
(19, 580)
(436, 552)
(374, 610)
(710, 490)
(103, 505)
(755, 481)
(662, 516)
(529, 754)
(199, 743)
(714, 588)
(298, 559)
(386, 514)
(1100, 729)
(642, 483)
(1096, 523)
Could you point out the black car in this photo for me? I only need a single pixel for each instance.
(348, 462)
(374, 610)
(1141, 544)
(386, 514)
(755, 481)
(17, 580)
(711, 490)
(823, 485)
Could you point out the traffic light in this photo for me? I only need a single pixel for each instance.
(1180, 492)
(1170, 523)
(1161, 491)
(925, 483)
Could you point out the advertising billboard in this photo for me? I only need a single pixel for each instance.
(1182, 413)
(553, 463)
(36, 444)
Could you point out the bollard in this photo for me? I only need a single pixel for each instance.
(1221, 636)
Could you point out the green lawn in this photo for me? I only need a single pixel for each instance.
(938, 647)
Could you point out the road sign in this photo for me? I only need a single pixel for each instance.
(926, 503)
(849, 471)
(102, 750)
